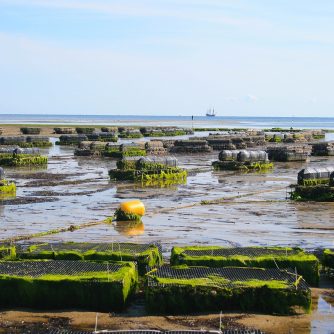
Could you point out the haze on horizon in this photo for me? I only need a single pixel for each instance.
(167, 57)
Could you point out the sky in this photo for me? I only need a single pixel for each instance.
(167, 57)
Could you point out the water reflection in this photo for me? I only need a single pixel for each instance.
(323, 316)
(130, 228)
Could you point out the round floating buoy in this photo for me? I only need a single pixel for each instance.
(130, 210)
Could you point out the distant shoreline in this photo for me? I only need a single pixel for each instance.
(180, 121)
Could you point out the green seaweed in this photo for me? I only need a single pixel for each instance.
(7, 187)
(306, 265)
(313, 182)
(40, 144)
(142, 175)
(20, 160)
(150, 257)
(84, 130)
(318, 193)
(120, 215)
(328, 258)
(96, 290)
(7, 252)
(242, 166)
(318, 136)
(177, 296)
(125, 135)
(164, 133)
(135, 152)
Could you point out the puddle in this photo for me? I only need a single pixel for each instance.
(323, 317)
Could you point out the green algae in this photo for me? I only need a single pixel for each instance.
(7, 187)
(7, 252)
(73, 251)
(125, 135)
(313, 182)
(318, 193)
(120, 215)
(212, 293)
(306, 265)
(242, 166)
(91, 290)
(328, 258)
(20, 160)
(146, 175)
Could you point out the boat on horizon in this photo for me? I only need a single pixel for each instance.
(211, 113)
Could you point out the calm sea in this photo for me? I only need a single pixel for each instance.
(187, 121)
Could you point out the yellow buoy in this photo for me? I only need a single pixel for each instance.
(133, 207)
(130, 210)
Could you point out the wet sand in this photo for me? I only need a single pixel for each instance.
(245, 209)
(320, 321)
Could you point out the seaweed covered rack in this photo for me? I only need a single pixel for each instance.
(242, 160)
(142, 169)
(26, 141)
(314, 184)
(19, 157)
(56, 284)
(143, 254)
(185, 289)
(296, 259)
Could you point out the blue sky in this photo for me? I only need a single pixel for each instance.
(167, 57)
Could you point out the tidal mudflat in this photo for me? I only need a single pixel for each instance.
(74, 195)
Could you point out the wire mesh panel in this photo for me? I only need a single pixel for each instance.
(40, 268)
(229, 276)
(179, 290)
(305, 264)
(130, 248)
(67, 284)
(247, 251)
(143, 254)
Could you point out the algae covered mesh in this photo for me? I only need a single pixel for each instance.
(246, 251)
(82, 247)
(67, 284)
(305, 264)
(185, 289)
(143, 254)
(40, 268)
(229, 276)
